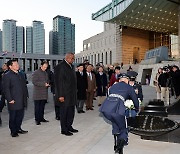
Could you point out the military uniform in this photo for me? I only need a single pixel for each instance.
(137, 85)
(113, 108)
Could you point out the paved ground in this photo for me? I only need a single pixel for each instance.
(94, 135)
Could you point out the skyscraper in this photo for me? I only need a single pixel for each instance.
(29, 39)
(20, 44)
(0, 40)
(9, 35)
(38, 37)
(63, 37)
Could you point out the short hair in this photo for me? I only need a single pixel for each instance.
(117, 68)
(44, 62)
(10, 62)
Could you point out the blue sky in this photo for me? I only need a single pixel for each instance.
(25, 11)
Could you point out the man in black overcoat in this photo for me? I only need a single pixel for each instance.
(66, 93)
(16, 94)
(82, 86)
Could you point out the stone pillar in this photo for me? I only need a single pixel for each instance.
(118, 54)
(179, 32)
(39, 63)
(26, 65)
(51, 64)
(32, 65)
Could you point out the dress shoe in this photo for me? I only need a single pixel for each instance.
(99, 104)
(14, 134)
(38, 123)
(120, 146)
(82, 111)
(87, 108)
(44, 120)
(22, 131)
(73, 130)
(57, 118)
(79, 112)
(66, 133)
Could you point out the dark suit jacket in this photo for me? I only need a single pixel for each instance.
(14, 88)
(101, 83)
(81, 85)
(65, 84)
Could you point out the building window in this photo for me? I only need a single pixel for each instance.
(98, 58)
(91, 59)
(106, 58)
(102, 58)
(95, 59)
(110, 57)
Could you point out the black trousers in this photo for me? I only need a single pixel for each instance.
(66, 117)
(2, 102)
(15, 120)
(39, 106)
(57, 111)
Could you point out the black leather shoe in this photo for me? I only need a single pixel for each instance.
(82, 111)
(44, 120)
(22, 131)
(14, 134)
(66, 133)
(57, 118)
(79, 112)
(38, 123)
(73, 130)
(120, 146)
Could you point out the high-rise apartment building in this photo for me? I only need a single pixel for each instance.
(0, 40)
(29, 39)
(9, 35)
(38, 37)
(63, 36)
(20, 44)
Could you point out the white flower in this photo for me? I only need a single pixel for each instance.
(130, 105)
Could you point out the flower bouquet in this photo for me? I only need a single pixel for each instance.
(130, 109)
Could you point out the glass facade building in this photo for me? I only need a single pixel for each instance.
(20, 44)
(9, 36)
(29, 39)
(63, 35)
(0, 40)
(38, 37)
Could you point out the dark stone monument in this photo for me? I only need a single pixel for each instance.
(149, 125)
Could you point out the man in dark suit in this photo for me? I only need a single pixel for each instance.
(66, 93)
(81, 88)
(2, 101)
(16, 94)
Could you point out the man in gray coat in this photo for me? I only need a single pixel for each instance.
(40, 92)
(65, 92)
(16, 94)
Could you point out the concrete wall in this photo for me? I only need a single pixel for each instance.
(154, 68)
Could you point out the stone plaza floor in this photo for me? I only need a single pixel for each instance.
(94, 136)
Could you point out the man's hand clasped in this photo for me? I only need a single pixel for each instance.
(61, 99)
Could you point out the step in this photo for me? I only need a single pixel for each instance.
(155, 108)
(153, 112)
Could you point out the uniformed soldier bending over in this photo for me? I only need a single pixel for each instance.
(113, 109)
